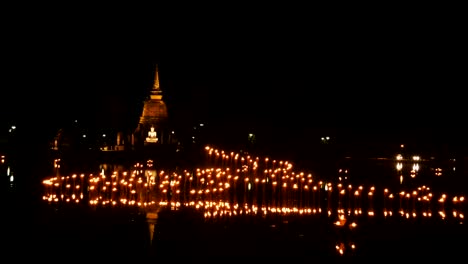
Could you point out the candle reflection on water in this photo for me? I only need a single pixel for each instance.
(225, 189)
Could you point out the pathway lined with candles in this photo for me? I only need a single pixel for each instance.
(236, 185)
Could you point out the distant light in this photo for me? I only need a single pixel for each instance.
(13, 127)
(399, 166)
(201, 124)
(172, 132)
(76, 121)
(103, 135)
(84, 136)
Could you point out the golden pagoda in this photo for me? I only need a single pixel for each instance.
(154, 118)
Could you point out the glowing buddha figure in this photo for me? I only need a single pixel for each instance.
(152, 136)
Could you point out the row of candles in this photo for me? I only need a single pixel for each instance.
(233, 184)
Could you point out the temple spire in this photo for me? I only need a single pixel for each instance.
(156, 80)
(156, 92)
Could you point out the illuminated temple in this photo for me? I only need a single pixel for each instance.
(153, 126)
(151, 131)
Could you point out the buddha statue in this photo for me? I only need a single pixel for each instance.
(152, 136)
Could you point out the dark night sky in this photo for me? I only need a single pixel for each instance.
(360, 74)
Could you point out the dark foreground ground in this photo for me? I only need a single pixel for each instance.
(56, 234)
(309, 237)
